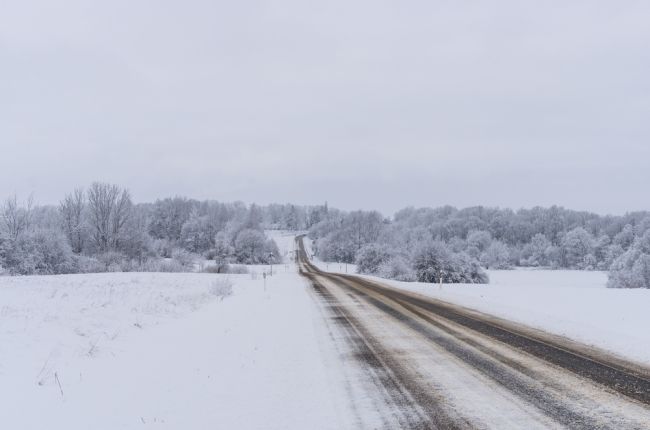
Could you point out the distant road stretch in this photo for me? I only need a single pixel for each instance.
(427, 364)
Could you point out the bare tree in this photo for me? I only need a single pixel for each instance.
(110, 208)
(121, 214)
(16, 219)
(71, 210)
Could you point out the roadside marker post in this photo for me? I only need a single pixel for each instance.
(264, 276)
(271, 263)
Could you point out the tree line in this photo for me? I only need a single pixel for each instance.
(455, 245)
(101, 229)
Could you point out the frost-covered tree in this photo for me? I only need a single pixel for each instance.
(371, 257)
(577, 248)
(71, 210)
(496, 256)
(479, 239)
(223, 250)
(398, 268)
(252, 247)
(38, 252)
(136, 243)
(168, 217)
(15, 219)
(433, 262)
(109, 210)
(197, 234)
(535, 253)
(625, 237)
(632, 269)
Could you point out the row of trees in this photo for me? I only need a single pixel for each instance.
(488, 237)
(101, 229)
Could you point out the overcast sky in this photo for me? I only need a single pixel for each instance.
(365, 104)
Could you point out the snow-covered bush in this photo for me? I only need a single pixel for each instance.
(87, 264)
(632, 269)
(370, 257)
(235, 269)
(396, 267)
(38, 252)
(221, 288)
(112, 261)
(433, 262)
(164, 265)
(184, 258)
(252, 247)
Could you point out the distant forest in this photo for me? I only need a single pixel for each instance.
(101, 229)
(427, 244)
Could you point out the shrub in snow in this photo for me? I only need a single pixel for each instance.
(162, 265)
(371, 257)
(227, 268)
(222, 252)
(51, 252)
(112, 261)
(221, 288)
(217, 268)
(89, 265)
(396, 268)
(38, 252)
(184, 258)
(434, 261)
(632, 269)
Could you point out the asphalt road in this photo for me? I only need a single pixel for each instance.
(427, 364)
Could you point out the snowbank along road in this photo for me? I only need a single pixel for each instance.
(432, 365)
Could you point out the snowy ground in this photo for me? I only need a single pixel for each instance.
(141, 350)
(575, 304)
(133, 350)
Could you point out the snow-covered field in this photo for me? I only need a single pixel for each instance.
(575, 304)
(134, 350)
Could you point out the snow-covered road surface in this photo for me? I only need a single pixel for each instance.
(451, 369)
